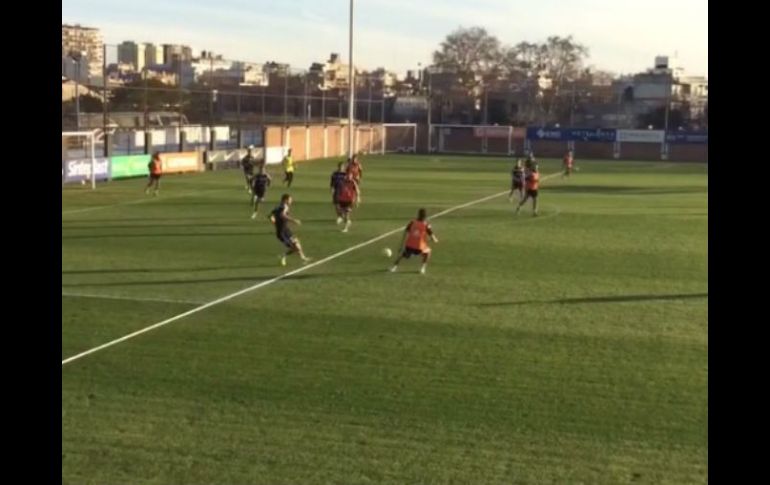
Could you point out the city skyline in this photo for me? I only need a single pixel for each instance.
(398, 34)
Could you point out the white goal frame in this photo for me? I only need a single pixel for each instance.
(438, 130)
(91, 137)
(412, 149)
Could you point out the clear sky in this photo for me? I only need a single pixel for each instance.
(623, 36)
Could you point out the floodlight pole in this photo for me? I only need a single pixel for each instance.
(351, 94)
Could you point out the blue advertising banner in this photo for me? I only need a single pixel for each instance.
(571, 134)
(701, 137)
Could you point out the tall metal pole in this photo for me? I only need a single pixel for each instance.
(181, 94)
(262, 119)
(285, 98)
(369, 106)
(145, 101)
(486, 105)
(430, 106)
(238, 102)
(668, 103)
(351, 91)
(305, 103)
(77, 95)
(211, 91)
(323, 106)
(104, 100)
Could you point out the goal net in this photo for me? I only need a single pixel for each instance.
(79, 163)
(471, 139)
(399, 137)
(368, 139)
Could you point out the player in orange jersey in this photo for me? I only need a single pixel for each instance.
(355, 169)
(415, 241)
(569, 163)
(532, 184)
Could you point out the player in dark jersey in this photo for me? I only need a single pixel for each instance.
(530, 158)
(517, 180)
(347, 196)
(260, 182)
(334, 184)
(248, 163)
(281, 218)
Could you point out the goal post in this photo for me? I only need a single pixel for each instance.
(78, 156)
(399, 138)
(472, 139)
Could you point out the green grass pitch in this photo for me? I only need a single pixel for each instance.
(566, 348)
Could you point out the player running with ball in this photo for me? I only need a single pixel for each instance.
(415, 241)
(281, 218)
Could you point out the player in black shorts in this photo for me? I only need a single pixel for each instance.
(281, 218)
(517, 180)
(260, 183)
(334, 184)
(248, 163)
(532, 184)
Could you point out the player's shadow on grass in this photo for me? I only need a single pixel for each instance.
(70, 227)
(353, 274)
(621, 190)
(602, 299)
(141, 219)
(170, 234)
(245, 279)
(331, 223)
(163, 270)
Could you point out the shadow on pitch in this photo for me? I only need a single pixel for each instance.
(602, 299)
(235, 224)
(163, 270)
(246, 279)
(352, 274)
(170, 234)
(621, 190)
(189, 220)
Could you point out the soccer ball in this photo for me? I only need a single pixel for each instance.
(387, 252)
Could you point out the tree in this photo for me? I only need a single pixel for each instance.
(522, 66)
(131, 96)
(539, 71)
(88, 104)
(542, 70)
(563, 59)
(473, 54)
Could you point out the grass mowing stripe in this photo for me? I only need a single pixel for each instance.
(272, 280)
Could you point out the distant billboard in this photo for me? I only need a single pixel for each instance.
(641, 136)
(571, 134)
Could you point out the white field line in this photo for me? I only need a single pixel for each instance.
(272, 280)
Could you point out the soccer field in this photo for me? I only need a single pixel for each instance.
(566, 348)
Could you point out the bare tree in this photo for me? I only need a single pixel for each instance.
(473, 54)
(563, 58)
(523, 65)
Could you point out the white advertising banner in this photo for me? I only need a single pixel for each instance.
(641, 136)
